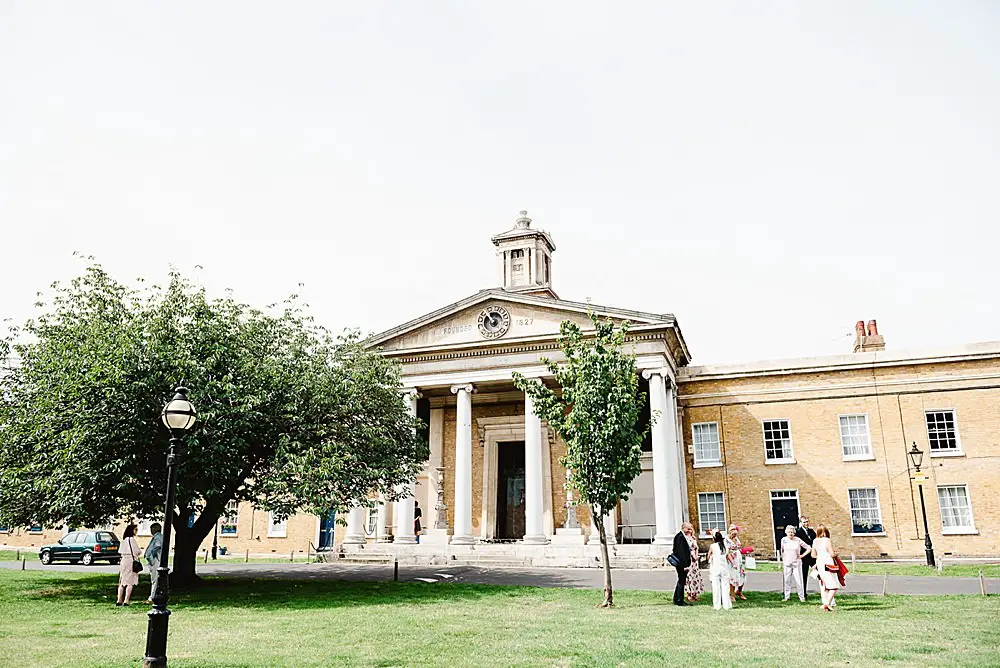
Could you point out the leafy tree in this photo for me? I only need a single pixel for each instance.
(596, 415)
(290, 418)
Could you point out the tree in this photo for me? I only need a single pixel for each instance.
(291, 418)
(596, 415)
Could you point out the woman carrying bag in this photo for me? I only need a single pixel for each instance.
(128, 567)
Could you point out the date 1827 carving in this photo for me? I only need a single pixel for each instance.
(494, 321)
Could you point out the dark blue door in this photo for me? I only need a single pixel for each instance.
(327, 526)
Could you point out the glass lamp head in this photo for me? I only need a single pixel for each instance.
(916, 456)
(179, 414)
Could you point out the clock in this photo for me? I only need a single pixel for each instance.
(494, 321)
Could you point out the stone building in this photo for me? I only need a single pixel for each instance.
(756, 444)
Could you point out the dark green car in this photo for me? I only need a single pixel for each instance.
(83, 547)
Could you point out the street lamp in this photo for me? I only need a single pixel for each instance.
(917, 458)
(179, 416)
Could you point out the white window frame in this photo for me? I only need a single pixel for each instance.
(958, 451)
(34, 531)
(703, 530)
(276, 530)
(958, 531)
(226, 515)
(790, 459)
(878, 507)
(870, 455)
(705, 463)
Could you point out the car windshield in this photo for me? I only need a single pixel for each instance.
(107, 537)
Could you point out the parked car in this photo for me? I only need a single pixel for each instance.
(83, 547)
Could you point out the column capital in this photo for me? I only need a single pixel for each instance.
(466, 387)
(663, 372)
(410, 393)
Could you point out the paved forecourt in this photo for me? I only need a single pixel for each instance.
(580, 578)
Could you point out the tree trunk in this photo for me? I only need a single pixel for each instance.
(598, 519)
(185, 544)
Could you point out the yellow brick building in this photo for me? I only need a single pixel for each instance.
(757, 444)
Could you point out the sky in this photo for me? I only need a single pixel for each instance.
(769, 173)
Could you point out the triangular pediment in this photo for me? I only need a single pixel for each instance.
(496, 316)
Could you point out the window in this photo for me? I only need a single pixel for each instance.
(275, 528)
(778, 442)
(106, 537)
(711, 512)
(36, 528)
(956, 510)
(4, 528)
(515, 254)
(70, 538)
(866, 515)
(705, 437)
(855, 441)
(230, 519)
(942, 433)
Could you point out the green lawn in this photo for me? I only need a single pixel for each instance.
(55, 619)
(970, 570)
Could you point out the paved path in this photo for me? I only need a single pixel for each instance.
(582, 578)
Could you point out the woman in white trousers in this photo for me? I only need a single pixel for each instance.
(718, 572)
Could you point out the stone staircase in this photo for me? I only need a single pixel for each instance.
(492, 556)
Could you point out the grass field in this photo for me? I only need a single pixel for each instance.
(970, 570)
(57, 619)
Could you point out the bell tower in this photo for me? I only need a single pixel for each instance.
(524, 259)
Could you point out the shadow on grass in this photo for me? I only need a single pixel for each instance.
(268, 594)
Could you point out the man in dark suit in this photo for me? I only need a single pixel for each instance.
(807, 536)
(682, 555)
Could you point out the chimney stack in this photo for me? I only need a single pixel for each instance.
(867, 340)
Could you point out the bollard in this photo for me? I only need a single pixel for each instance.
(982, 582)
(291, 556)
(248, 557)
(17, 555)
(940, 565)
(854, 566)
(395, 570)
(885, 584)
(206, 556)
(24, 560)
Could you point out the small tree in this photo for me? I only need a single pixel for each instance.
(290, 418)
(596, 415)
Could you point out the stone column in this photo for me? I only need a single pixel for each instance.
(382, 523)
(463, 466)
(534, 521)
(355, 527)
(664, 459)
(676, 455)
(403, 531)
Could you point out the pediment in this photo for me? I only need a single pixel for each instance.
(530, 317)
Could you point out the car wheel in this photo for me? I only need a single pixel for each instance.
(87, 559)
(46, 557)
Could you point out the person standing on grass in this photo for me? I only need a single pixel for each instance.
(681, 560)
(737, 572)
(829, 581)
(127, 577)
(807, 536)
(152, 555)
(792, 551)
(718, 572)
(694, 585)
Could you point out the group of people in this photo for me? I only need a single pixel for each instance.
(802, 550)
(129, 549)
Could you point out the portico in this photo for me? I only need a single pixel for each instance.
(497, 457)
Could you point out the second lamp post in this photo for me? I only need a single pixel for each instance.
(917, 458)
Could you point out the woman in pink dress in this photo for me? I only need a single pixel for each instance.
(127, 578)
(829, 582)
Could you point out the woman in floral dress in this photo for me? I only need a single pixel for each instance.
(737, 573)
(693, 584)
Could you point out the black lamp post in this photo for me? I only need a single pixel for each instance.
(917, 458)
(179, 416)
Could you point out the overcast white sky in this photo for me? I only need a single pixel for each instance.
(769, 173)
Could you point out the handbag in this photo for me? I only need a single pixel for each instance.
(673, 560)
(136, 564)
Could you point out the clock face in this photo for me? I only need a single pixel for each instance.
(494, 321)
